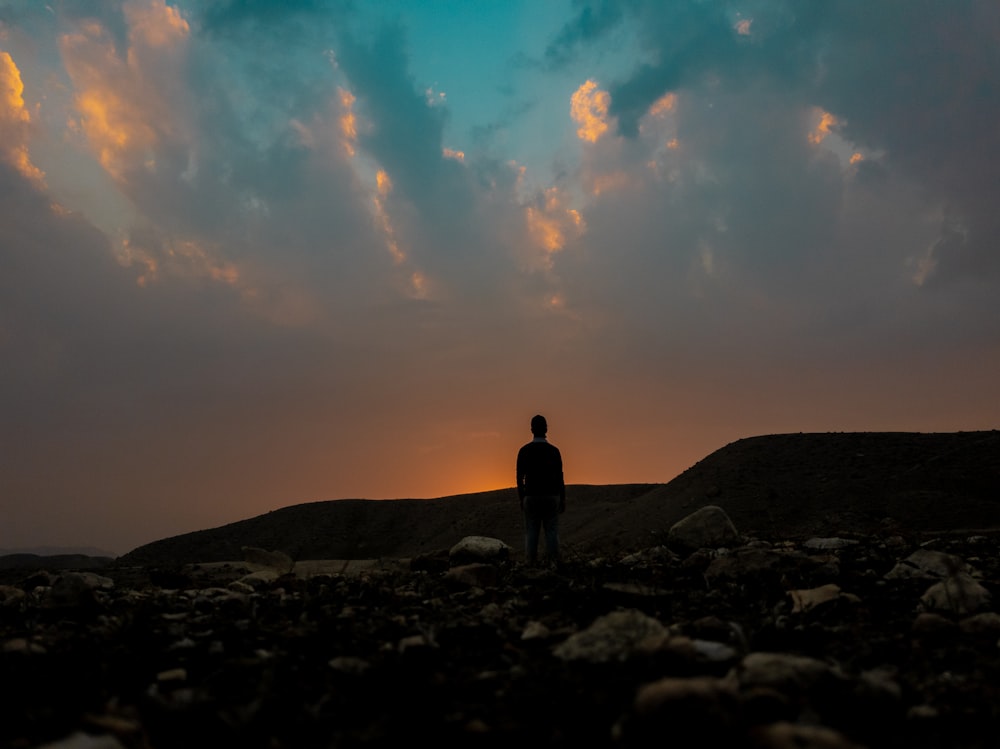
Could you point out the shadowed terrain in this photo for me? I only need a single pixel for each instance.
(785, 485)
(857, 611)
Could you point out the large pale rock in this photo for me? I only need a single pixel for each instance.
(927, 564)
(278, 561)
(479, 549)
(959, 594)
(77, 588)
(810, 598)
(261, 579)
(11, 597)
(708, 527)
(613, 637)
(782, 671)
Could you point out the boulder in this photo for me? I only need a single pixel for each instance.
(959, 594)
(479, 549)
(927, 564)
(275, 560)
(613, 637)
(708, 527)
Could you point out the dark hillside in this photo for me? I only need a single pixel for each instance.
(783, 485)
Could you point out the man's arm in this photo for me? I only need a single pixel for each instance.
(562, 485)
(519, 480)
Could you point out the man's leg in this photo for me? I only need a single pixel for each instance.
(551, 524)
(532, 530)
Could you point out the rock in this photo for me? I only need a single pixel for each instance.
(701, 706)
(708, 527)
(959, 594)
(654, 554)
(348, 664)
(23, 645)
(433, 561)
(479, 549)
(635, 590)
(805, 600)
(927, 564)
(764, 650)
(782, 671)
(74, 589)
(829, 543)
(535, 631)
(473, 575)
(929, 625)
(987, 623)
(81, 740)
(613, 637)
(761, 565)
(260, 580)
(11, 597)
(785, 735)
(276, 560)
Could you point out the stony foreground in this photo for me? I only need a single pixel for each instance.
(882, 641)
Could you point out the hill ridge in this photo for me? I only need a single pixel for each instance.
(783, 485)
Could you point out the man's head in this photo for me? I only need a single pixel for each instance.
(538, 425)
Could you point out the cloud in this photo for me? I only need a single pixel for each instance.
(124, 104)
(589, 109)
(15, 121)
(911, 83)
(300, 287)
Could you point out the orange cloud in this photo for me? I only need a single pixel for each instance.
(664, 104)
(184, 258)
(417, 284)
(130, 254)
(743, 27)
(15, 121)
(856, 157)
(552, 224)
(124, 105)
(823, 128)
(383, 183)
(192, 258)
(451, 154)
(589, 109)
(155, 23)
(603, 183)
(348, 122)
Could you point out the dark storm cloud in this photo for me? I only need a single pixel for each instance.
(227, 16)
(406, 135)
(594, 20)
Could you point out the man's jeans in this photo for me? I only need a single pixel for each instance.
(541, 512)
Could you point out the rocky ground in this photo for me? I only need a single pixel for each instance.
(884, 639)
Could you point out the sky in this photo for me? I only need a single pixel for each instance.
(258, 253)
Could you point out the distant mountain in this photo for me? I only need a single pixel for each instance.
(772, 486)
(53, 561)
(52, 551)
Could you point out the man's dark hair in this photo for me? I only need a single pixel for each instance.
(539, 426)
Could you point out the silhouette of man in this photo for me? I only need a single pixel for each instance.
(541, 490)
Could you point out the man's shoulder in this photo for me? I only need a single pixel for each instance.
(535, 446)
